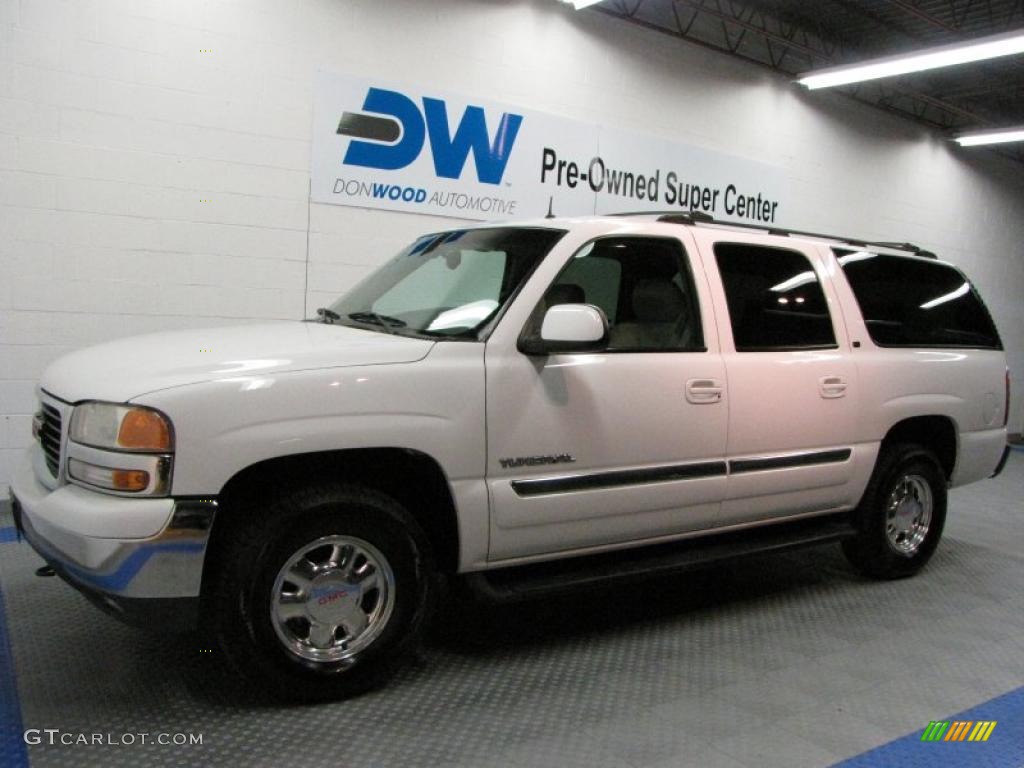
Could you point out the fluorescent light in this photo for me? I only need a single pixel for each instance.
(855, 256)
(991, 137)
(803, 278)
(963, 290)
(978, 49)
(578, 4)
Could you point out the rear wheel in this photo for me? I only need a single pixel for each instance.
(901, 516)
(322, 592)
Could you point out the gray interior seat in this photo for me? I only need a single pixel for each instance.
(661, 317)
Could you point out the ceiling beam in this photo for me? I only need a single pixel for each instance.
(767, 28)
(737, 19)
(913, 10)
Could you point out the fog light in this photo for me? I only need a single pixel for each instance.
(129, 480)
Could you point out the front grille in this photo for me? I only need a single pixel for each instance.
(49, 437)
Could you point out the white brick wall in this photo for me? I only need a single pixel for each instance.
(113, 127)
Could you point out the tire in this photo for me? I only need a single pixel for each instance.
(321, 593)
(901, 515)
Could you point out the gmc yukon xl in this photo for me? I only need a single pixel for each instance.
(522, 407)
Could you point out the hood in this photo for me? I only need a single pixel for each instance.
(121, 370)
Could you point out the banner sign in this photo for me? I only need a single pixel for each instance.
(419, 150)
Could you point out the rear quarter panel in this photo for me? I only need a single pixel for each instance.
(964, 385)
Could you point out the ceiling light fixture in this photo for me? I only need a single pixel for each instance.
(990, 137)
(979, 49)
(580, 4)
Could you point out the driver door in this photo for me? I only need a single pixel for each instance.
(624, 445)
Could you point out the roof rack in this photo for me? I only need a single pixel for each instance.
(917, 251)
(695, 218)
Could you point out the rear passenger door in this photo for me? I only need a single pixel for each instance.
(792, 384)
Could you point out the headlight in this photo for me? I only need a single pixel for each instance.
(121, 428)
(120, 449)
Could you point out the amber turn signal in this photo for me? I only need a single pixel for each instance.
(144, 430)
(129, 479)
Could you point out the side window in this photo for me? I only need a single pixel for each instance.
(599, 278)
(774, 297)
(916, 303)
(643, 285)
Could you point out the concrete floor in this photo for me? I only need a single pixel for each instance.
(778, 661)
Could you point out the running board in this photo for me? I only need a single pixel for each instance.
(523, 582)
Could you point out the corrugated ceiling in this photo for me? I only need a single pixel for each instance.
(792, 37)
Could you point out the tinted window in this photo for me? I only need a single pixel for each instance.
(774, 297)
(916, 303)
(644, 287)
(599, 278)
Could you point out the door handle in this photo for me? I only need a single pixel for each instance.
(832, 387)
(704, 391)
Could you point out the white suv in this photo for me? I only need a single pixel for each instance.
(621, 395)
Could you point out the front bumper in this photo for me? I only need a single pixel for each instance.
(152, 580)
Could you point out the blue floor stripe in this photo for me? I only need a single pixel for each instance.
(8, 535)
(13, 753)
(1004, 749)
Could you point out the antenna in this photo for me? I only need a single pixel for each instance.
(551, 201)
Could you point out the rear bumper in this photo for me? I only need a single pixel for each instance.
(153, 581)
(1002, 462)
(977, 454)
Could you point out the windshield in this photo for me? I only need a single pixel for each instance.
(446, 284)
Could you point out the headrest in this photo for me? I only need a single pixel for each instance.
(565, 293)
(657, 301)
(658, 264)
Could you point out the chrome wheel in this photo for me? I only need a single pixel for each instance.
(332, 599)
(908, 514)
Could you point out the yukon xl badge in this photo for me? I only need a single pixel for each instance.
(531, 461)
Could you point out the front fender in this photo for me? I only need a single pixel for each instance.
(435, 406)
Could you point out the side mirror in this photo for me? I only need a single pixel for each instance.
(569, 328)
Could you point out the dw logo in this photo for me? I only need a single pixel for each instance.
(393, 142)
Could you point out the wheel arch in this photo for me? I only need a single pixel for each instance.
(413, 478)
(934, 432)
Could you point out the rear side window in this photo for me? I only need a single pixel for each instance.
(917, 303)
(774, 297)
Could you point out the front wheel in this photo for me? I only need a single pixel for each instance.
(901, 516)
(322, 592)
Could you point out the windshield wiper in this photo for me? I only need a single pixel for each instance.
(327, 315)
(384, 321)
